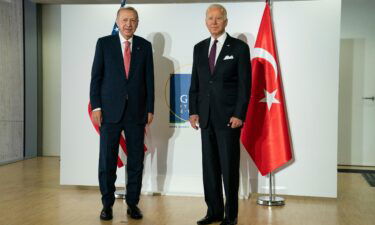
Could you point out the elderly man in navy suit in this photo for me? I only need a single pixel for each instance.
(218, 100)
(122, 98)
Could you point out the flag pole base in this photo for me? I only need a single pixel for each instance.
(120, 194)
(274, 201)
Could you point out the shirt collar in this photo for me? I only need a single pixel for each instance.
(122, 39)
(220, 39)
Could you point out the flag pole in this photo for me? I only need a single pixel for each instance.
(271, 199)
(269, 3)
(121, 194)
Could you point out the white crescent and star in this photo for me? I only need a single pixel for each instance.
(270, 97)
(264, 54)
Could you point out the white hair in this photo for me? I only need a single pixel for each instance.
(218, 6)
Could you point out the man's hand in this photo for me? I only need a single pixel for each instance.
(150, 118)
(234, 122)
(97, 117)
(194, 121)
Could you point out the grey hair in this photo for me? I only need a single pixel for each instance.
(218, 6)
(127, 8)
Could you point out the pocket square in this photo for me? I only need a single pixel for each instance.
(227, 57)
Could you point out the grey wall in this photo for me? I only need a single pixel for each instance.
(11, 81)
(51, 51)
(32, 81)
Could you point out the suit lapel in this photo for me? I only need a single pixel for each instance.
(134, 56)
(118, 57)
(205, 55)
(225, 50)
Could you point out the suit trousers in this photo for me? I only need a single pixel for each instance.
(221, 159)
(109, 147)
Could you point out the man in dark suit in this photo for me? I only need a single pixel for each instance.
(218, 100)
(122, 96)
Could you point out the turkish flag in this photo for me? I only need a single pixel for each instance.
(265, 134)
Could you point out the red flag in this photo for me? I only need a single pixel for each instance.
(123, 152)
(265, 134)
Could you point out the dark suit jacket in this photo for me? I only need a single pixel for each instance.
(227, 90)
(109, 88)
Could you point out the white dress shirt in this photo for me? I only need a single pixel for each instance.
(122, 42)
(219, 45)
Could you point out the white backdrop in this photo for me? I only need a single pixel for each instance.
(307, 35)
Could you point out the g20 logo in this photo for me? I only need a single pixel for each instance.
(179, 85)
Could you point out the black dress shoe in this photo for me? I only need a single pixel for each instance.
(209, 220)
(106, 214)
(229, 222)
(134, 212)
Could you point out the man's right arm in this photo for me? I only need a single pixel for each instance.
(97, 76)
(95, 84)
(194, 92)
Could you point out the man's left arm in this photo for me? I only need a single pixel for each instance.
(244, 82)
(150, 96)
